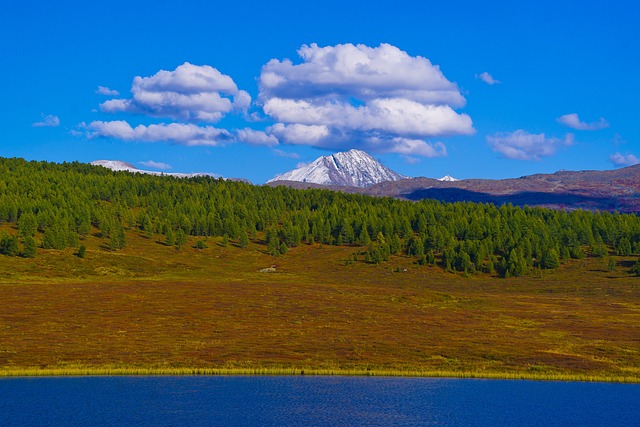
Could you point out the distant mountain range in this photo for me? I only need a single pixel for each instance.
(357, 172)
(611, 190)
(353, 168)
(118, 165)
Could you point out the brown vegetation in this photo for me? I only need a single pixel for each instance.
(150, 306)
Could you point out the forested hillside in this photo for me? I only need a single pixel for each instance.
(54, 206)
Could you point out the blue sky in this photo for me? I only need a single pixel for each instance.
(252, 89)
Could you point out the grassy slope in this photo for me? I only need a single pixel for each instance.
(152, 309)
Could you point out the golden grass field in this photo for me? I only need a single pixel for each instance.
(151, 309)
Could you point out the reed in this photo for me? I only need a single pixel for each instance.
(310, 371)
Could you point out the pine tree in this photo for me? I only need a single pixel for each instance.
(9, 244)
(117, 239)
(244, 240)
(29, 247)
(550, 259)
(636, 268)
(181, 238)
(169, 237)
(82, 251)
(273, 248)
(27, 224)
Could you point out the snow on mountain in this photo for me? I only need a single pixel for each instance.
(118, 165)
(448, 178)
(353, 168)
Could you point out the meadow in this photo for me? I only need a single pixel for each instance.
(152, 309)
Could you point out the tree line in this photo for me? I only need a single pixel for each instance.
(54, 206)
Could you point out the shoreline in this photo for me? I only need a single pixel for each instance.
(306, 371)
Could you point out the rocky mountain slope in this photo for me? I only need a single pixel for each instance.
(353, 168)
(610, 190)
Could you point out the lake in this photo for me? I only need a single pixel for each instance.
(313, 401)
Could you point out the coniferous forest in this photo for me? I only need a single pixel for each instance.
(54, 206)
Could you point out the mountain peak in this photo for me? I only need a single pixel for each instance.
(353, 168)
(448, 178)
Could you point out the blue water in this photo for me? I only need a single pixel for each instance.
(313, 401)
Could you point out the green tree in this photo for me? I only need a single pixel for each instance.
(29, 247)
(9, 244)
(169, 237)
(273, 247)
(636, 268)
(117, 238)
(181, 238)
(82, 251)
(623, 247)
(550, 259)
(463, 262)
(27, 224)
(283, 248)
(244, 240)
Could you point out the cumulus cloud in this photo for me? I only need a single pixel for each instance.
(418, 147)
(347, 94)
(299, 133)
(395, 116)
(103, 90)
(574, 122)
(47, 121)
(623, 160)
(178, 133)
(256, 137)
(156, 165)
(190, 92)
(359, 71)
(487, 78)
(522, 145)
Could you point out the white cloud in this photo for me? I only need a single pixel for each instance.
(190, 92)
(522, 145)
(343, 94)
(47, 121)
(574, 122)
(623, 160)
(299, 133)
(418, 147)
(358, 71)
(282, 153)
(487, 78)
(179, 133)
(103, 90)
(396, 116)
(155, 165)
(256, 137)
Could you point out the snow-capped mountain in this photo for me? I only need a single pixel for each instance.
(448, 178)
(118, 165)
(353, 168)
